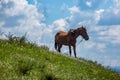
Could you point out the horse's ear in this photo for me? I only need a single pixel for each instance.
(82, 26)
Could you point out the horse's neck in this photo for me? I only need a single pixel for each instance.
(76, 35)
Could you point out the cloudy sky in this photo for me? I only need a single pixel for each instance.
(41, 19)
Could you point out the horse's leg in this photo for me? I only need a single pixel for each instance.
(74, 48)
(70, 50)
(59, 47)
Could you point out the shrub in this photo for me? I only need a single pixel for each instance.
(14, 39)
(10, 37)
(44, 47)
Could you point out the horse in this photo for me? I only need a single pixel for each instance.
(69, 38)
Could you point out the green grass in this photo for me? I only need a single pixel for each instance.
(30, 62)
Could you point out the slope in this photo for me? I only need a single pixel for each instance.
(30, 62)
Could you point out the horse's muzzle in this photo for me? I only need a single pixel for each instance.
(87, 38)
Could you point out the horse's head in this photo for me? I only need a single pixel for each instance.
(83, 33)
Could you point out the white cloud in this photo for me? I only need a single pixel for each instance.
(111, 16)
(98, 14)
(96, 45)
(101, 46)
(25, 15)
(110, 34)
(2, 23)
(14, 7)
(78, 17)
(60, 24)
(117, 7)
(21, 8)
(88, 3)
(74, 9)
(35, 2)
(114, 33)
(90, 45)
(114, 63)
(109, 61)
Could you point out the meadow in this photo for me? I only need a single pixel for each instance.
(22, 60)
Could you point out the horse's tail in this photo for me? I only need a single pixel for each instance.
(56, 45)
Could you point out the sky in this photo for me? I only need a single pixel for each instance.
(42, 19)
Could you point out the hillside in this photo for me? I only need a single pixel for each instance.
(27, 61)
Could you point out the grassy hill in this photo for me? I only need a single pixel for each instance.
(26, 61)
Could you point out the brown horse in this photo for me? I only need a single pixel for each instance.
(69, 38)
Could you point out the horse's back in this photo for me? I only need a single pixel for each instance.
(61, 33)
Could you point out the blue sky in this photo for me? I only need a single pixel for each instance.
(41, 19)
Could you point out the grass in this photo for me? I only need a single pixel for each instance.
(27, 61)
